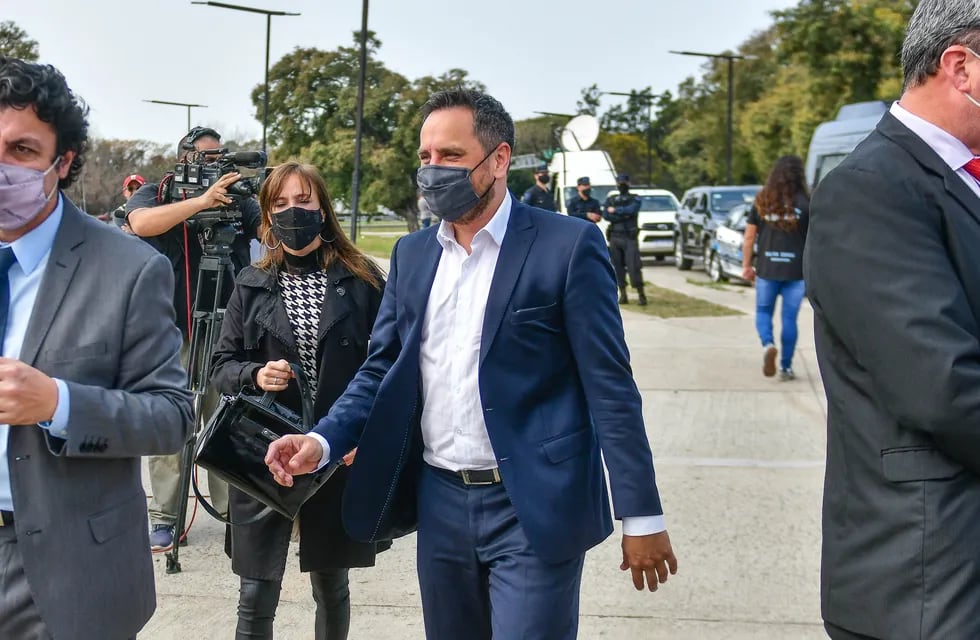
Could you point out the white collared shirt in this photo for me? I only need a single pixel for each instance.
(453, 430)
(947, 146)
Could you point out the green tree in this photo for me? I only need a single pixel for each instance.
(14, 42)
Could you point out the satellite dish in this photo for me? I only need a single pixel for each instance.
(580, 133)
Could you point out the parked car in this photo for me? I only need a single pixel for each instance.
(658, 211)
(702, 210)
(832, 141)
(725, 260)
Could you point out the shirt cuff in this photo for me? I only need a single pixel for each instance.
(58, 424)
(326, 449)
(643, 525)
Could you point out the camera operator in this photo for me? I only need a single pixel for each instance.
(167, 227)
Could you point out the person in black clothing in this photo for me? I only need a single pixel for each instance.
(622, 210)
(312, 300)
(540, 195)
(585, 206)
(778, 220)
(165, 226)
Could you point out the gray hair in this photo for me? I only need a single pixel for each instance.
(491, 122)
(935, 26)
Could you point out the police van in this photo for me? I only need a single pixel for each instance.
(833, 140)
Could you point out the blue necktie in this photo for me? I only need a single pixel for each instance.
(7, 259)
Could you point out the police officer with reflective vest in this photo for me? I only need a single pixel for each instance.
(540, 195)
(585, 206)
(622, 211)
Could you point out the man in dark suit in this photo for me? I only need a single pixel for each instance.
(498, 372)
(892, 271)
(90, 380)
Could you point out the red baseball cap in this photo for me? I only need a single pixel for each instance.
(133, 178)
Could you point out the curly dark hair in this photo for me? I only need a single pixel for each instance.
(776, 203)
(41, 86)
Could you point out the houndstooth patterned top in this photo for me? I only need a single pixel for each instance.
(303, 295)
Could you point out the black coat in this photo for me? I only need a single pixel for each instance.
(256, 330)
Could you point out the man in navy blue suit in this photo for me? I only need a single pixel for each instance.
(498, 372)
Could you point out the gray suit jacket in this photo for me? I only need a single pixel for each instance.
(104, 323)
(892, 270)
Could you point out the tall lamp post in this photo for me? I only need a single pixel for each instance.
(268, 31)
(731, 58)
(648, 100)
(361, 81)
(180, 104)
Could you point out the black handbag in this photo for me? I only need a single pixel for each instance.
(234, 443)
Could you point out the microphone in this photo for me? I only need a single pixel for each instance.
(247, 158)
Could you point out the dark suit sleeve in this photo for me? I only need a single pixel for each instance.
(598, 342)
(343, 425)
(880, 277)
(231, 370)
(150, 411)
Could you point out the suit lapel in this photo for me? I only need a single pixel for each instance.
(423, 271)
(513, 252)
(894, 130)
(58, 274)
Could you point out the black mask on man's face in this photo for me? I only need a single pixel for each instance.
(624, 187)
(586, 193)
(544, 179)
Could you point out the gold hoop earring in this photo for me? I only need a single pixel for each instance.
(265, 241)
(325, 240)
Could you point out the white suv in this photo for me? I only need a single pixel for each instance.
(658, 211)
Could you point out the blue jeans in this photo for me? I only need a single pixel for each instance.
(792, 292)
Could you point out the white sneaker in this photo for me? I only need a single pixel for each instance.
(786, 375)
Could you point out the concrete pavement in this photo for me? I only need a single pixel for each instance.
(740, 468)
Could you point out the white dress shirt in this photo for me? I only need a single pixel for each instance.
(950, 148)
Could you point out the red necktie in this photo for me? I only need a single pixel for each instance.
(973, 168)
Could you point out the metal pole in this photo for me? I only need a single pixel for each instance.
(650, 141)
(265, 106)
(361, 81)
(731, 95)
(188, 117)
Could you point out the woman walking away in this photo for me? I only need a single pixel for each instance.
(778, 220)
(310, 300)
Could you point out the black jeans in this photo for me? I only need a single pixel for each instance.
(258, 599)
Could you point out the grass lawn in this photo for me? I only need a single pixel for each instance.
(667, 303)
(377, 246)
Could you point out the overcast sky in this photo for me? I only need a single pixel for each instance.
(533, 56)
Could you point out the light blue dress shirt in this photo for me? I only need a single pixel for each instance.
(32, 251)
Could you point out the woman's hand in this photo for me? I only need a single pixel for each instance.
(274, 376)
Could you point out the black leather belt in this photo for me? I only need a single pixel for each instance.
(6, 518)
(478, 477)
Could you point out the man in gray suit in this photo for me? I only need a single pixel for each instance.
(90, 380)
(892, 269)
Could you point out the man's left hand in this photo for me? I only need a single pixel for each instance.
(27, 396)
(594, 217)
(650, 558)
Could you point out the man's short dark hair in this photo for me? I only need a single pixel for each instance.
(491, 122)
(186, 143)
(41, 86)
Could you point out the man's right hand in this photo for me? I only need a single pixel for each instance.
(748, 274)
(293, 455)
(216, 196)
(594, 217)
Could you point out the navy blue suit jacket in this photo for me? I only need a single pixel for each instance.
(555, 383)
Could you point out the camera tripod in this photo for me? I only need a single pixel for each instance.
(215, 267)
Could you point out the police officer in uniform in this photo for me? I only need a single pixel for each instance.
(585, 206)
(622, 211)
(540, 195)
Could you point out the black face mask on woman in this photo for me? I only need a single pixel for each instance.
(297, 227)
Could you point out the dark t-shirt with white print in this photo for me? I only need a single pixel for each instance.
(780, 246)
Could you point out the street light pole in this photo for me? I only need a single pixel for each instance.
(731, 58)
(649, 102)
(361, 81)
(268, 37)
(180, 104)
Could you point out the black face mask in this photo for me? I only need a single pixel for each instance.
(623, 188)
(297, 227)
(586, 193)
(448, 190)
(545, 179)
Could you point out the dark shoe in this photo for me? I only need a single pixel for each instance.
(622, 296)
(786, 375)
(769, 361)
(642, 297)
(162, 536)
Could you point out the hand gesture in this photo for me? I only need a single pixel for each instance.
(27, 396)
(216, 196)
(274, 376)
(650, 557)
(293, 455)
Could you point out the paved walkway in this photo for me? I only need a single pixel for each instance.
(740, 468)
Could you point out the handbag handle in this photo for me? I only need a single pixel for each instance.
(304, 392)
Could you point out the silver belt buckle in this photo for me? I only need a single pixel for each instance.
(465, 473)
